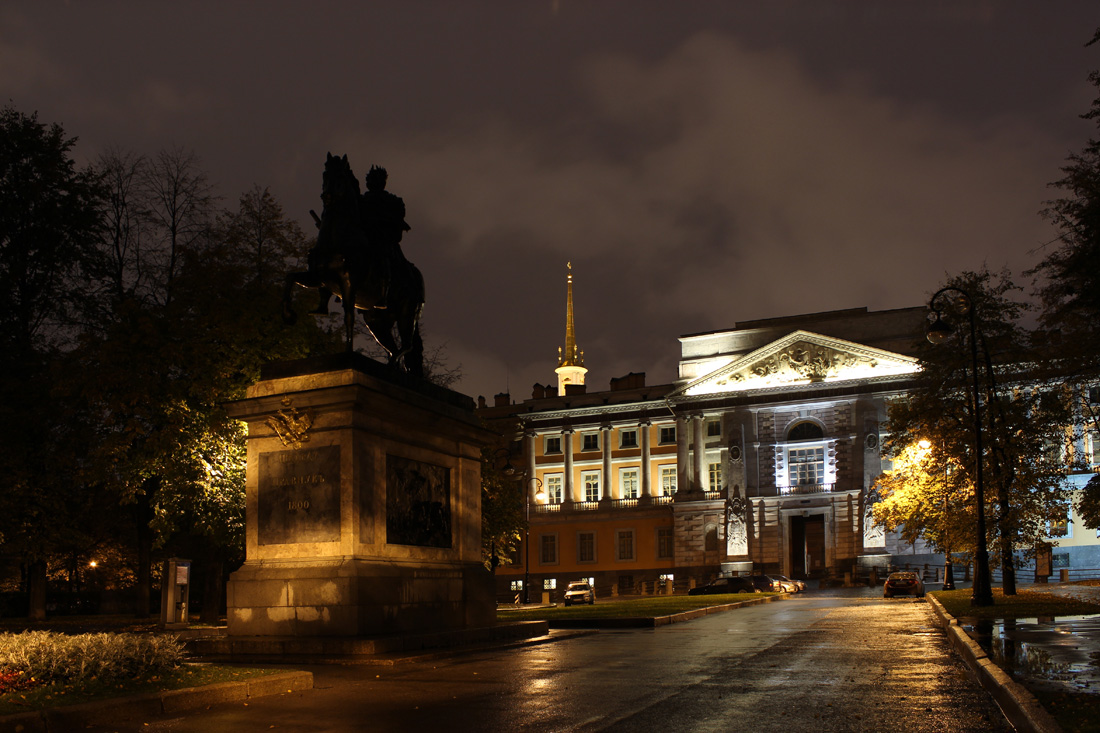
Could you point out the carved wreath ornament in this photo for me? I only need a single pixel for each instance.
(291, 425)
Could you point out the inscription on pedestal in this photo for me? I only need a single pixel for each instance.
(299, 496)
(418, 503)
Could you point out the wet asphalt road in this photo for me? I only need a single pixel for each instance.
(821, 661)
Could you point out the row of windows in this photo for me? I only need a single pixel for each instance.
(627, 439)
(625, 581)
(624, 546)
(629, 486)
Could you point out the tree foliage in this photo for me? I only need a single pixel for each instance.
(1023, 423)
(50, 222)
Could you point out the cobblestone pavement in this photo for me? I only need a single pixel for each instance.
(824, 661)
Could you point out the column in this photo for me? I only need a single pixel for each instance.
(606, 491)
(699, 454)
(683, 464)
(646, 489)
(567, 479)
(529, 451)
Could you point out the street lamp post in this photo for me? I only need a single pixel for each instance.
(938, 332)
(511, 471)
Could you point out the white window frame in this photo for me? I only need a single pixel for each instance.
(814, 445)
(587, 479)
(714, 474)
(661, 433)
(547, 450)
(555, 485)
(633, 433)
(666, 472)
(633, 475)
(594, 438)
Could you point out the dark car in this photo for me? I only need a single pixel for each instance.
(579, 592)
(903, 583)
(737, 584)
(765, 583)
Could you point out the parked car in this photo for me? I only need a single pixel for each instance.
(903, 583)
(796, 586)
(765, 583)
(579, 592)
(736, 584)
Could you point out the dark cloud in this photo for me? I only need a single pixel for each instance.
(699, 166)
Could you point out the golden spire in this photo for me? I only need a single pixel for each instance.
(572, 357)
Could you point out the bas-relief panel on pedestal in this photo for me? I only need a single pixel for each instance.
(418, 503)
(299, 496)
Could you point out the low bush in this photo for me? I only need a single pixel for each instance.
(52, 657)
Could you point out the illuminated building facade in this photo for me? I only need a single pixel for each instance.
(760, 456)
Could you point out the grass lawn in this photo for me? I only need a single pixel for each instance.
(1024, 604)
(188, 675)
(647, 607)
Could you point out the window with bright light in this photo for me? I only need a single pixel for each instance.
(591, 482)
(714, 475)
(549, 583)
(668, 480)
(516, 585)
(806, 466)
(628, 482)
(553, 488)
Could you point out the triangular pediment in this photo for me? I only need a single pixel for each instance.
(801, 357)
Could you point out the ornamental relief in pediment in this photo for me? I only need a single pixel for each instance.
(800, 362)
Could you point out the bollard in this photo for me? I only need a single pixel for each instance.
(546, 598)
(1063, 575)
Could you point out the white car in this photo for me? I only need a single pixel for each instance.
(579, 592)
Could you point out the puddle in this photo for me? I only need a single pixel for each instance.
(1059, 653)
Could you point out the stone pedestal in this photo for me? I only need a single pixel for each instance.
(363, 505)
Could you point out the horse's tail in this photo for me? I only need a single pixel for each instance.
(414, 354)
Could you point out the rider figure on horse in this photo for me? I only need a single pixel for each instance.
(383, 220)
(384, 223)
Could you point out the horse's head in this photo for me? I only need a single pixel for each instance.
(338, 182)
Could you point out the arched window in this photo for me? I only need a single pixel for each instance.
(805, 430)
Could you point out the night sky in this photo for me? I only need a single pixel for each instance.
(700, 163)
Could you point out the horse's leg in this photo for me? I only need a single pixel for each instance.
(292, 279)
(348, 296)
(380, 325)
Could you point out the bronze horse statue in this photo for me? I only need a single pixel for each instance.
(358, 257)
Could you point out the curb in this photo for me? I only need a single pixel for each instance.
(651, 622)
(154, 704)
(1018, 705)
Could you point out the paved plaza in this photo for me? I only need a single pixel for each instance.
(825, 660)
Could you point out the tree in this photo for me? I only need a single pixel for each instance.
(931, 434)
(49, 225)
(1069, 283)
(502, 506)
(193, 314)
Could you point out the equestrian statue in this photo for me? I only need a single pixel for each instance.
(358, 256)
